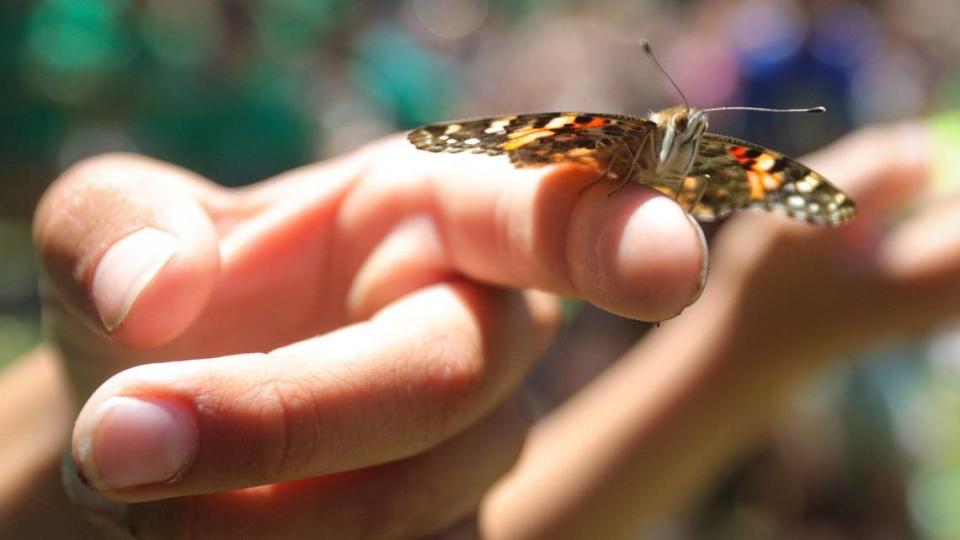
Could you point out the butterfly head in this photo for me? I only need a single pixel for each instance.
(681, 128)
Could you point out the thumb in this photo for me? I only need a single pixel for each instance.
(126, 246)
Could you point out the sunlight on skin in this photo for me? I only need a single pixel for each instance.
(642, 438)
(356, 331)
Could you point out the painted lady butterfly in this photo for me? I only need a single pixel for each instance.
(709, 175)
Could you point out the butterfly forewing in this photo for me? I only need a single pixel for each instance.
(536, 140)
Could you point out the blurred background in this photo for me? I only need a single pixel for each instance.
(239, 91)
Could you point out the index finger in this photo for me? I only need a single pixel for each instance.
(635, 252)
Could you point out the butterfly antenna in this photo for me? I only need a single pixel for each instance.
(765, 109)
(649, 50)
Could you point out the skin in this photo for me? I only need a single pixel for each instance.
(638, 441)
(350, 335)
(783, 302)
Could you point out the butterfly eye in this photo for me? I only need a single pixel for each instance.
(682, 123)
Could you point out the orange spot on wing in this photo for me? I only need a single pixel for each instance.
(757, 193)
(765, 162)
(770, 181)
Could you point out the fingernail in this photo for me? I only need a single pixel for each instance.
(126, 269)
(108, 514)
(704, 262)
(134, 442)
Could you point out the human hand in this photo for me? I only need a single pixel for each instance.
(341, 317)
(782, 302)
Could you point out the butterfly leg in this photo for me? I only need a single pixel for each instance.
(634, 161)
(623, 181)
(603, 175)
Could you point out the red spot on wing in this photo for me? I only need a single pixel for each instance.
(740, 154)
(596, 121)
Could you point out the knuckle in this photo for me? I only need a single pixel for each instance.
(455, 366)
(286, 418)
(455, 377)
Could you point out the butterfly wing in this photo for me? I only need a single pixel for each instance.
(536, 140)
(745, 175)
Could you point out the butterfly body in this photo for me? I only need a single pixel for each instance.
(709, 175)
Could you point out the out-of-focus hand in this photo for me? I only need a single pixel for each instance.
(348, 336)
(890, 273)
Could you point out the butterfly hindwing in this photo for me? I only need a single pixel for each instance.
(536, 140)
(745, 175)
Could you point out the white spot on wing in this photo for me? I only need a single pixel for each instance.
(765, 162)
(808, 184)
(499, 126)
(796, 201)
(560, 121)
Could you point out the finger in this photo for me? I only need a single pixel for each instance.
(126, 245)
(420, 371)
(885, 170)
(635, 252)
(917, 265)
(925, 246)
(404, 499)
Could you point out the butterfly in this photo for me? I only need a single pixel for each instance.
(709, 175)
